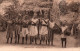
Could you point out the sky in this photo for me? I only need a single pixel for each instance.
(5, 3)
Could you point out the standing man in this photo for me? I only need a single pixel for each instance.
(51, 32)
(63, 36)
(17, 33)
(9, 32)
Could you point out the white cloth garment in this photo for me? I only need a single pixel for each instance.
(24, 32)
(33, 29)
(51, 24)
(44, 29)
(63, 29)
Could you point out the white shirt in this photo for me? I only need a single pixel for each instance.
(64, 28)
(34, 20)
(51, 24)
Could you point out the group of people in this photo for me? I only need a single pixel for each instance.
(33, 29)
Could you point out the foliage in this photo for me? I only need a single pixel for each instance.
(14, 12)
(63, 7)
(11, 13)
(74, 6)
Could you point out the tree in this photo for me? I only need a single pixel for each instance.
(63, 7)
(1, 1)
(55, 13)
(11, 13)
(74, 7)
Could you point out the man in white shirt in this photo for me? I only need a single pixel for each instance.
(51, 32)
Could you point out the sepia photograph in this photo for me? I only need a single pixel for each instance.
(40, 24)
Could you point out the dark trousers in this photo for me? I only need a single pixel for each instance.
(43, 38)
(26, 38)
(50, 37)
(32, 38)
(17, 37)
(50, 41)
(22, 40)
(10, 40)
(63, 40)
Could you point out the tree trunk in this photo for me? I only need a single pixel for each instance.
(72, 30)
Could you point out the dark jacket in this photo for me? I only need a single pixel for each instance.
(9, 31)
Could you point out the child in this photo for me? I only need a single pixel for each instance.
(63, 36)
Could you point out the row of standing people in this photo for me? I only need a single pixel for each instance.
(35, 28)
